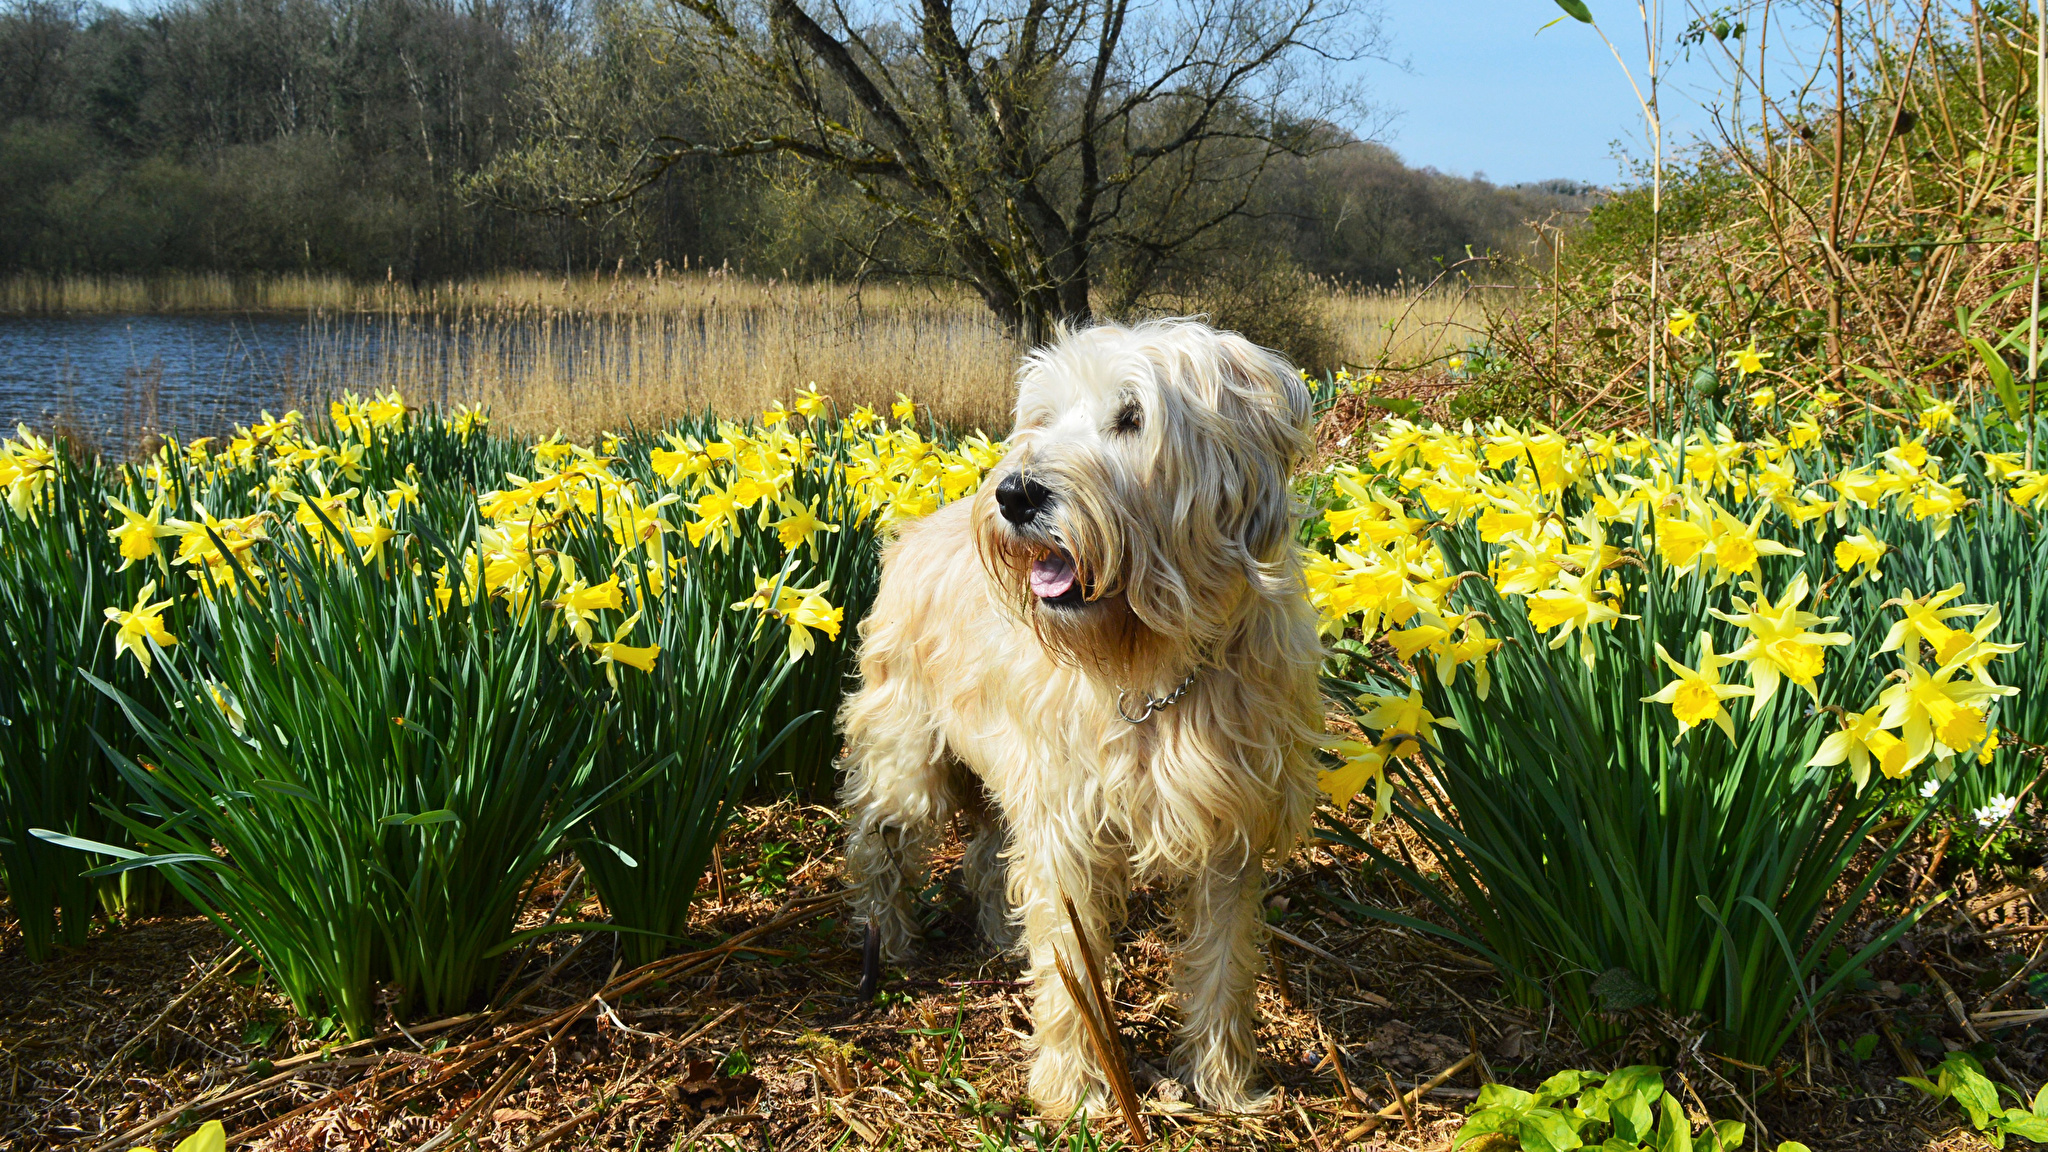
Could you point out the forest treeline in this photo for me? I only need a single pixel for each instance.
(345, 136)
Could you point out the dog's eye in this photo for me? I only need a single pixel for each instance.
(1130, 417)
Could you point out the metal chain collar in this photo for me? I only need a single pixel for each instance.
(1155, 703)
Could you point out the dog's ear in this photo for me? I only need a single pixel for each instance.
(1276, 413)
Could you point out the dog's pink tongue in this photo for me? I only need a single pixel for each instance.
(1051, 576)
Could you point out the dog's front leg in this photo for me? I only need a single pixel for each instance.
(1051, 865)
(1216, 975)
(897, 796)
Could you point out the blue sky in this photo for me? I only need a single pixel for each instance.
(1484, 92)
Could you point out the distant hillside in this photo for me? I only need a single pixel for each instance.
(1362, 216)
(333, 136)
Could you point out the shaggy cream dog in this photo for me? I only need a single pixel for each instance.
(1105, 664)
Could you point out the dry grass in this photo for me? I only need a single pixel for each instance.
(1402, 330)
(586, 353)
(181, 292)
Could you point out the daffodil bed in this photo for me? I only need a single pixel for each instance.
(1646, 699)
(346, 688)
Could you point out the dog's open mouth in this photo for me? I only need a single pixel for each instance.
(1054, 580)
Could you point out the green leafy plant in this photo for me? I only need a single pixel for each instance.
(1620, 1111)
(1612, 869)
(1961, 1079)
(356, 784)
(682, 746)
(801, 707)
(1605, 867)
(59, 572)
(1627, 1110)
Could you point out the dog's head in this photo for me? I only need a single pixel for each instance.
(1145, 492)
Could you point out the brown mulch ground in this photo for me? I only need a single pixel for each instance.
(769, 1048)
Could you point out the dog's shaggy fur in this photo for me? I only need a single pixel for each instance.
(1138, 532)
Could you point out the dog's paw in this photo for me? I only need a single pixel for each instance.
(1062, 1084)
(1222, 1088)
(1092, 1101)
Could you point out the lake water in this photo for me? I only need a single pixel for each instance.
(114, 378)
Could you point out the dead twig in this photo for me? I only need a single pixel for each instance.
(1099, 1015)
(1403, 1101)
(1400, 1101)
(1955, 1009)
(1325, 954)
(1336, 1060)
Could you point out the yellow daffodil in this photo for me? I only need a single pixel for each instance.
(1933, 500)
(1403, 720)
(141, 624)
(1681, 544)
(1577, 603)
(714, 517)
(212, 1136)
(1749, 361)
(1862, 550)
(1924, 619)
(1907, 457)
(1363, 764)
(810, 403)
(1696, 696)
(1861, 740)
(616, 651)
(2003, 465)
(229, 710)
(802, 609)
(1937, 714)
(139, 532)
(1762, 398)
(1738, 548)
(28, 466)
(800, 525)
(1974, 649)
(1681, 322)
(579, 604)
(1780, 644)
(404, 493)
(553, 452)
(1937, 415)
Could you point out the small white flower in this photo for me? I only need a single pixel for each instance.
(1994, 812)
(1928, 789)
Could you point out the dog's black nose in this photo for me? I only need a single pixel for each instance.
(1021, 498)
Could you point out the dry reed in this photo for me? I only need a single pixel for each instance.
(593, 352)
(29, 293)
(1399, 329)
(602, 353)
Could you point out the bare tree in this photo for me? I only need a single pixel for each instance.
(1040, 151)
